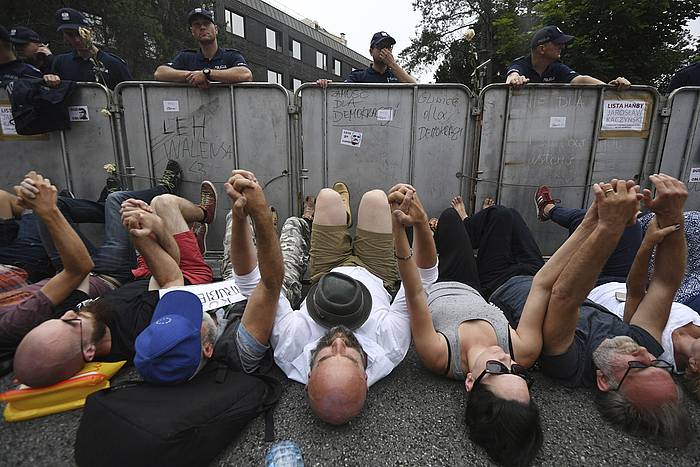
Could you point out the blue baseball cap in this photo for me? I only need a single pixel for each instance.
(381, 37)
(200, 12)
(69, 18)
(550, 34)
(169, 350)
(23, 35)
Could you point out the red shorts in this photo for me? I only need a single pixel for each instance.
(192, 264)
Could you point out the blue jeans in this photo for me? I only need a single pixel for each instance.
(620, 261)
(116, 256)
(26, 250)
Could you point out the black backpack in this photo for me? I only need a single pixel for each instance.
(140, 424)
(37, 108)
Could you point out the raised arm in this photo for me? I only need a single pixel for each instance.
(37, 193)
(671, 254)
(617, 205)
(249, 200)
(407, 210)
(388, 58)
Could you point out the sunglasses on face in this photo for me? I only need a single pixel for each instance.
(70, 322)
(494, 367)
(641, 365)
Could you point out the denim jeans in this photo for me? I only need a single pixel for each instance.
(26, 250)
(116, 256)
(620, 261)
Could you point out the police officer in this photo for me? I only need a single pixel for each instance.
(31, 48)
(86, 62)
(543, 65)
(383, 69)
(209, 63)
(11, 68)
(688, 76)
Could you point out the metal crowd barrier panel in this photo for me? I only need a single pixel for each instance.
(680, 156)
(373, 136)
(566, 137)
(72, 159)
(209, 132)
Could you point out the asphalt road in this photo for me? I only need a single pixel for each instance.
(412, 418)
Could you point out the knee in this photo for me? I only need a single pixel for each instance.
(164, 202)
(327, 196)
(115, 200)
(374, 198)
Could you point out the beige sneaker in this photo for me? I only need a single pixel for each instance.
(342, 189)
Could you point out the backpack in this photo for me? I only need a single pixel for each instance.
(37, 108)
(140, 424)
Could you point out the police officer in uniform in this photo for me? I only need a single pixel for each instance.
(383, 69)
(31, 48)
(86, 62)
(209, 63)
(543, 65)
(11, 68)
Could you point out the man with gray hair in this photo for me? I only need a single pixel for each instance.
(586, 345)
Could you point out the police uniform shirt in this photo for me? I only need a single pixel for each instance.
(556, 72)
(368, 75)
(15, 69)
(194, 60)
(688, 76)
(71, 66)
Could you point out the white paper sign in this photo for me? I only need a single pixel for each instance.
(557, 122)
(78, 113)
(385, 115)
(351, 138)
(623, 115)
(214, 295)
(171, 106)
(8, 128)
(694, 175)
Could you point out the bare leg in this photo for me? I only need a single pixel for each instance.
(8, 205)
(176, 212)
(374, 214)
(330, 209)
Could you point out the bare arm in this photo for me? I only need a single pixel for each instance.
(144, 228)
(167, 73)
(671, 255)
(516, 80)
(77, 263)
(161, 234)
(236, 74)
(620, 82)
(430, 345)
(388, 58)
(615, 208)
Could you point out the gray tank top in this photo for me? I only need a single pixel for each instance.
(451, 304)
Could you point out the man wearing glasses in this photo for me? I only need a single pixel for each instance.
(383, 69)
(586, 345)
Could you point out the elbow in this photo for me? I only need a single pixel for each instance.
(246, 76)
(560, 295)
(158, 75)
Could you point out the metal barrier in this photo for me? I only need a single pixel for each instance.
(566, 137)
(373, 136)
(209, 133)
(680, 155)
(72, 159)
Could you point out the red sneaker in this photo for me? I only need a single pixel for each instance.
(543, 198)
(207, 201)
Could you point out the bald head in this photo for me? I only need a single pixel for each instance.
(337, 390)
(48, 354)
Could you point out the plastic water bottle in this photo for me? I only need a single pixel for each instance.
(284, 454)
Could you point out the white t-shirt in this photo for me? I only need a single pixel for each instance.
(385, 336)
(679, 317)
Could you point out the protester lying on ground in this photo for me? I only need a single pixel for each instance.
(459, 335)
(295, 241)
(543, 65)
(347, 334)
(105, 329)
(209, 63)
(384, 67)
(586, 345)
(680, 337)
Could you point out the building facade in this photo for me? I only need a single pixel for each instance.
(282, 49)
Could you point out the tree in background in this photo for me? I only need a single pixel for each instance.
(643, 40)
(145, 33)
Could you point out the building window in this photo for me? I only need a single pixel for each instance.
(274, 77)
(273, 39)
(295, 83)
(296, 49)
(320, 60)
(235, 24)
(336, 67)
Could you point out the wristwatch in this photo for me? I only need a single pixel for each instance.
(207, 73)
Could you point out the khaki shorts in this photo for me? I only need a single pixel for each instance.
(332, 246)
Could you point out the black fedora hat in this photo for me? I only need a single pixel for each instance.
(339, 299)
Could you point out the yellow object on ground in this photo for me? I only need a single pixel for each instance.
(26, 403)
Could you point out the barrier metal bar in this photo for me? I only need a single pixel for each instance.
(233, 126)
(647, 146)
(594, 145)
(147, 132)
(501, 164)
(324, 135)
(469, 135)
(685, 161)
(66, 162)
(412, 144)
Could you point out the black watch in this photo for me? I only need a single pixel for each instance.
(207, 73)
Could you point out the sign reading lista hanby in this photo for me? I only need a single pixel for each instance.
(624, 115)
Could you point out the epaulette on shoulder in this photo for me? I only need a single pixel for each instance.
(232, 50)
(112, 54)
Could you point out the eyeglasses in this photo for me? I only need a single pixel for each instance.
(80, 325)
(641, 365)
(494, 367)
